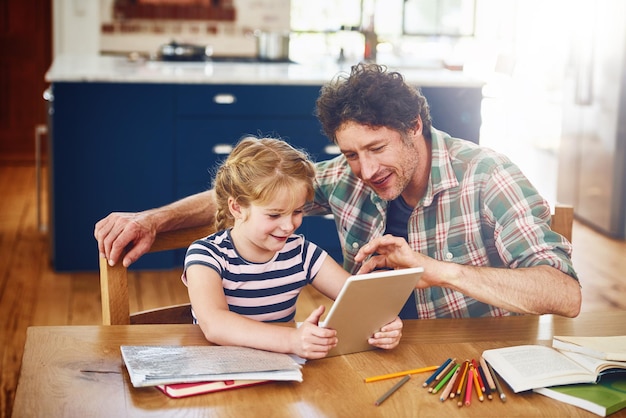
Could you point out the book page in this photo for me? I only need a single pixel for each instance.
(531, 366)
(594, 364)
(608, 348)
(529, 362)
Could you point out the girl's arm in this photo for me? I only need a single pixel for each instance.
(329, 281)
(223, 327)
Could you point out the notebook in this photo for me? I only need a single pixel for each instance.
(182, 390)
(366, 303)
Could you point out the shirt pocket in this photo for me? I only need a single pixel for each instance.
(351, 246)
(464, 253)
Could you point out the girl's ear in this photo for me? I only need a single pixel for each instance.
(235, 208)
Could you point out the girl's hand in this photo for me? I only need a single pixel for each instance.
(389, 335)
(310, 341)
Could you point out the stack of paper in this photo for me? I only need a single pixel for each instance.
(161, 365)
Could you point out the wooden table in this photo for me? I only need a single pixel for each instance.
(78, 371)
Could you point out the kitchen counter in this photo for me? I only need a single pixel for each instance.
(117, 69)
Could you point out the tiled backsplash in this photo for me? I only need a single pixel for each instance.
(226, 37)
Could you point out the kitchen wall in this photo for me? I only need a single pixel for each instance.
(510, 34)
(75, 27)
(78, 28)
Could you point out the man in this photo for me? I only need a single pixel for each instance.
(405, 194)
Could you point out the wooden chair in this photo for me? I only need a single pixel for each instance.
(563, 220)
(114, 280)
(114, 285)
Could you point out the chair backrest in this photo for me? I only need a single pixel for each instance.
(563, 220)
(114, 285)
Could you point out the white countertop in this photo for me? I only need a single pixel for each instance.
(114, 69)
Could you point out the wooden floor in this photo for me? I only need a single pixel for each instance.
(32, 294)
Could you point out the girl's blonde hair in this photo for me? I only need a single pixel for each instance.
(255, 171)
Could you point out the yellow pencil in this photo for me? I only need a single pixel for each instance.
(479, 392)
(398, 374)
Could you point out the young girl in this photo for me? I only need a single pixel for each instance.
(250, 273)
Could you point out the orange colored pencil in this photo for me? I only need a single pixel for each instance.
(400, 374)
(477, 373)
(479, 392)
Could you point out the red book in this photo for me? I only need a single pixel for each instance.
(181, 390)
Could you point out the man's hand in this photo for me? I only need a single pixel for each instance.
(121, 231)
(386, 252)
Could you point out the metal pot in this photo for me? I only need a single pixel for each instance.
(175, 51)
(272, 46)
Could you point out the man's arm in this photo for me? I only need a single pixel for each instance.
(530, 290)
(136, 231)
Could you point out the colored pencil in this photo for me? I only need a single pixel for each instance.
(497, 383)
(448, 389)
(490, 381)
(486, 389)
(477, 373)
(446, 369)
(392, 390)
(445, 379)
(461, 379)
(400, 374)
(468, 391)
(434, 375)
(463, 389)
(479, 392)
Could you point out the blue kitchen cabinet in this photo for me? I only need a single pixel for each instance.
(133, 146)
(111, 150)
(213, 118)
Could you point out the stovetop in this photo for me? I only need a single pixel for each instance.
(227, 59)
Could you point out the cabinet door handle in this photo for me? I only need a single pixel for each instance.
(332, 150)
(222, 149)
(224, 99)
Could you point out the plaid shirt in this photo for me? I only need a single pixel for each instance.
(479, 209)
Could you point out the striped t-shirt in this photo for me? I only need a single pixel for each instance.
(261, 291)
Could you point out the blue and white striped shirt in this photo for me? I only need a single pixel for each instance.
(262, 291)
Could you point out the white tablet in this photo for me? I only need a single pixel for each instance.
(366, 303)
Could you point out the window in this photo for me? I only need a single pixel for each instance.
(439, 17)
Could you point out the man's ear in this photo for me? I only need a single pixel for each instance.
(417, 129)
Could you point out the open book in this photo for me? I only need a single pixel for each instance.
(528, 367)
(162, 365)
(605, 348)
